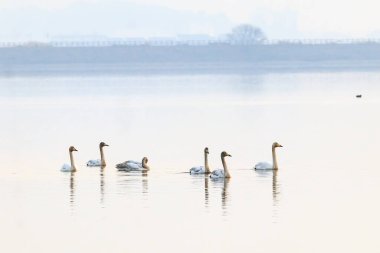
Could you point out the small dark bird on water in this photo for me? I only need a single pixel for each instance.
(358, 96)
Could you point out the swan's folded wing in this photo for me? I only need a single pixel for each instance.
(124, 165)
(263, 166)
(197, 170)
(93, 163)
(134, 166)
(66, 167)
(131, 161)
(217, 173)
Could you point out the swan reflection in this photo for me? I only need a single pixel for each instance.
(102, 184)
(133, 180)
(225, 199)
(72, 189)
(144, 182)
(275, 188)
(206, 192)
(273, 174)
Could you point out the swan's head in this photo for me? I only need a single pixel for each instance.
(276, 145)
(206, 150)
(145, 160)
(71, 149)
(102, 144)
(224, 154)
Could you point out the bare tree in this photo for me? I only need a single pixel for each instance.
(246, 34)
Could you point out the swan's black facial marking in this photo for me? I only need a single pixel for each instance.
(224, 154)
(206, 150)
(71, 149)
(102, 144)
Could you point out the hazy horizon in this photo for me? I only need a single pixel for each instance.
(38, 19)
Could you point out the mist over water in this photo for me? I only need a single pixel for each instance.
(322, 199)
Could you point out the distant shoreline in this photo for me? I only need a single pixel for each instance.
(217, 59)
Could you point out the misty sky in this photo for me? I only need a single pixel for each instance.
(144, 18)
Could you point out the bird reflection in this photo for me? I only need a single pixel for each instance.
(72, 189)
(273, 174)
(206, 191)
(132, 179)
(144, 182)
(275, 195)
(225, 199)
(102, 184)
(275, 188)
(226, 181)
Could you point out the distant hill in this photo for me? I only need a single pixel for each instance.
(200, 58)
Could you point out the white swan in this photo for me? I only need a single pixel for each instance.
(133, 165)
(221, 173)
(66, 167)
(268, 165)
(102, 161)
(202, 169)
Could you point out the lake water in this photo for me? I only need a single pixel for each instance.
(324, 197)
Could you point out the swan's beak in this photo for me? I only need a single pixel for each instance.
(106, 145)
(280, 146)
(229, 155)
(75, 149)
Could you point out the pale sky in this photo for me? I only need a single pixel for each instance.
(278, 18)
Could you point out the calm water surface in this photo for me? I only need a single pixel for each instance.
(324, 198)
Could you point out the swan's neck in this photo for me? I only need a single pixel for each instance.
(207, 168)
(226, 172)
(102, 159)
(275, 165)
(144, 165)
(72, 162)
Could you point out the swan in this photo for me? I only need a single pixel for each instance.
(202, 169)
(66, 167)
(133, 165)
(101, 162)
(221, 173)
(268, 165)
